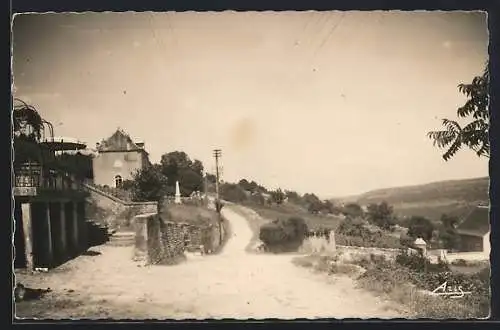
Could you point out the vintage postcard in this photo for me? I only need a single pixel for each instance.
(251, 165)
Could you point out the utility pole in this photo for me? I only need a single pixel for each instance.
(217, 155)
(218, 206)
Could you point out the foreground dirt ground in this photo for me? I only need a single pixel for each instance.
(232, 284)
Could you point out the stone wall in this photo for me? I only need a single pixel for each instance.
(319, 244)
(113, 212)
(164, 242)
(467, 256)
(348, 253)
(327, 246)
(156, 241)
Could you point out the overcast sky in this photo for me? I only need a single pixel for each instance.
(326, 102)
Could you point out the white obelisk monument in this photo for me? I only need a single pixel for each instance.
(177, 193)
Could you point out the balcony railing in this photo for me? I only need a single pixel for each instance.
(33, 179)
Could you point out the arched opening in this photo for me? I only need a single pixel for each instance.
(118, 181)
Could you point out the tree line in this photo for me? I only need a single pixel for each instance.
(159, 179)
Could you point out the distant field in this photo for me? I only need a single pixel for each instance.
(454, 197)
(288, 210)
(433, 212)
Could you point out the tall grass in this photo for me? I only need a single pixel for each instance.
(405, 286)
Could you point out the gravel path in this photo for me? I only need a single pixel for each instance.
(232, 284)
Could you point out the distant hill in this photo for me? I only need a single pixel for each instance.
(454, 197)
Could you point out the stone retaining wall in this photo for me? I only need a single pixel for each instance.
(117, 214)
(164, 242)
(348, 253)
(156, 241)
(467, 256)
(327, 246)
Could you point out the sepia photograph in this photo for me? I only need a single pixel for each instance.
(250, 165)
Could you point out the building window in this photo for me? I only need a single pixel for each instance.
(118, 181)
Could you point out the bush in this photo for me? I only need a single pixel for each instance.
(272, 234)
(429, 276)
(385, 278)
(284, 232)
(417, 262)
(232, 193)
(393, 280)
(377, 240)
(459, 262)
(299, 228)
(406, 240)
(149, 184)
(352, 232)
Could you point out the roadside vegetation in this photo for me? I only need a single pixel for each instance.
(409, 279)
(283, 235)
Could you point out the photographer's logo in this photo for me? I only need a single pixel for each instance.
(451, 291)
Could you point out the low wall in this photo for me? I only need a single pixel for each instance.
(113, 212)
(164, 242)
(157, 242)
(352, 252)
(327, 246)
(468, 256)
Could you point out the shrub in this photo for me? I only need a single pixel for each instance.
(284, 232)
(381, 215)
(467, 307)
(393, 280)
(232, 193)
(378, 240)
(420, 227)
(384, 278)
(272, 234)
(347, 269)
(417, 262)
(299, 228)
(459, 262)
(149, 184)
(353, 227)
(405, 240)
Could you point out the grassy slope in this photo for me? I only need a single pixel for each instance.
(430, 200)
(287, 210)
(191, 214)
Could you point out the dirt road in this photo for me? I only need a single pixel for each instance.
(232, 284)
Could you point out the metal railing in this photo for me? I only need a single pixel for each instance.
(33, 175)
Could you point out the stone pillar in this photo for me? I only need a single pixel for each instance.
(50, 250)
(28, 235)
(82, 230)
(62, 235)
(76, 222)
(141, 238)
(333, 245)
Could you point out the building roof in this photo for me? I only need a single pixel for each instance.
(64, 143)
(119, 141)
(476, 223)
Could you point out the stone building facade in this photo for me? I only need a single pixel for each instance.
(118, 157)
